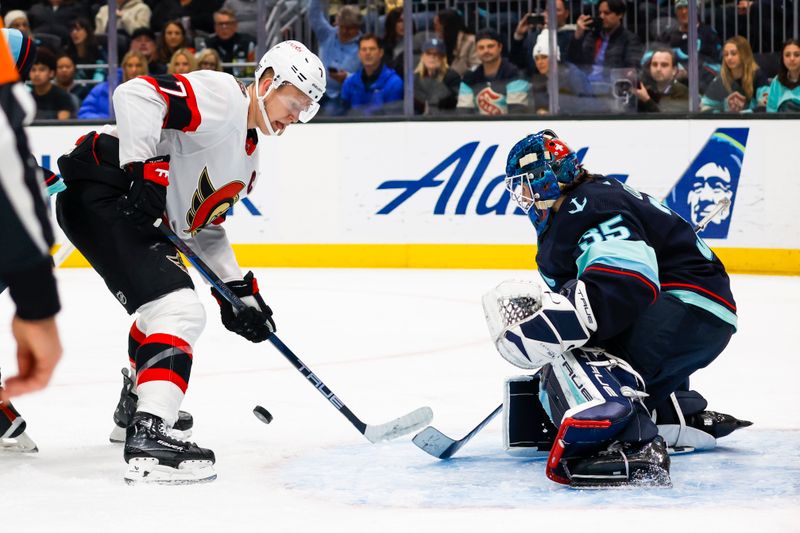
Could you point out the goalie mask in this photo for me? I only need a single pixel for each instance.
(291, 62)
(538, 168)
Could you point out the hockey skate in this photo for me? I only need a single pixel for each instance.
(126, 407)
(716, 424)
(12, 431)
(155, 456)
(622, 465)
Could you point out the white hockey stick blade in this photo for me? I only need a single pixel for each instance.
(399, 426)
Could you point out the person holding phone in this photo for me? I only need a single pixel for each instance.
(602, 44)
(529, 29)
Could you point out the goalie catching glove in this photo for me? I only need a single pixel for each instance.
(254, 323)
(146, 200)
(531, 327)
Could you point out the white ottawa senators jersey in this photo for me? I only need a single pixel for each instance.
(200, 120)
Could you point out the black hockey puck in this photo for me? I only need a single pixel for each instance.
(262, 414)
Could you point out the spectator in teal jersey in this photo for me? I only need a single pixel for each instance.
(741, 86)
(784, 93)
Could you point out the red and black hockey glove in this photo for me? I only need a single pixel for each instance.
(254, 323)
(146, 200)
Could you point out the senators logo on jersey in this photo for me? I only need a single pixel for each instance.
(210, 204)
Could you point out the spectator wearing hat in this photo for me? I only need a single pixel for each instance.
(573, 87)
(131, 15)
(660, 90)
(17, 19)
(604, 44)
(143, 41)
(338, 46)
(233, 46)
(709, 45)
(496, 86)
(448, 25)
(436, 85)
(51, 102)
(373, 89)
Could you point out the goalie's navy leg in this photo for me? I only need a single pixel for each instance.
(605, 436)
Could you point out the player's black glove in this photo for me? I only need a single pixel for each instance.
(146, 200)
(254, 323)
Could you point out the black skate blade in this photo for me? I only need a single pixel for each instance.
(661, 481)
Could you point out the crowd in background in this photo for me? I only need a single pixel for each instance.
(605, 63)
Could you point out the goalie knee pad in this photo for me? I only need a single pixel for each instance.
(592, 398)
(527, 431)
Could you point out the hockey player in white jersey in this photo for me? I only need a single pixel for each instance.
(184, 149)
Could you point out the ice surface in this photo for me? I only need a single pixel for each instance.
(386, 342)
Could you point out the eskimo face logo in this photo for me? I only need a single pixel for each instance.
(710, 178)
(711, 184)
(209, 203)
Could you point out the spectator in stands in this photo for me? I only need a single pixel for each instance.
(53, 17)
(173, 37)
(374, 87)
(527, 33)
(709, 45)
(660, 90)
(208, 59)
(741, 86)
(18, 20)
(131, 15)
(461, 47)
(784, 93)
(599, 46)
(436, 85)
(338, 47)
(143, 40)
(247, 12)
(496, 87)
(574, 89)
(84, 50)
(65, 79)
(182, 61)
(51, 102)
(95, 105)
(393, 44)
(233, 47)
(199, 13)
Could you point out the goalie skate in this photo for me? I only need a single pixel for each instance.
(622, 466)
(154, 456)
(126, 407)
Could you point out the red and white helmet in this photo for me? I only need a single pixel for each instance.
(291, 62)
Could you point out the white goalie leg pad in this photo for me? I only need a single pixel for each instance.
(179, 314)
(527, 430)
(531, 327)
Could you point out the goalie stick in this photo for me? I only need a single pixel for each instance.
(374, 433)
(433, 442)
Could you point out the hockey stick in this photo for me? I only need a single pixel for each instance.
(434, 442)
(374, 433)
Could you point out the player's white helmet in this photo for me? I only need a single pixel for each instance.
(291, 62)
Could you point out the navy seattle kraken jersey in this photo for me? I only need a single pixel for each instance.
(627, 248)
